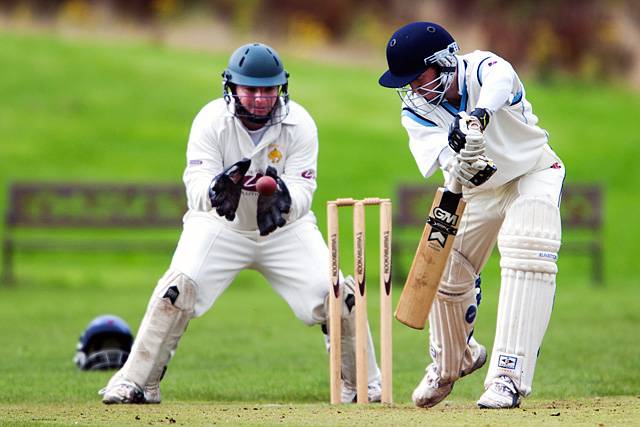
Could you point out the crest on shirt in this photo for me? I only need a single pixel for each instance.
(274, 154)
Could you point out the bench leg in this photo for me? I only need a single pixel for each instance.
(7, 262)
(597, 272)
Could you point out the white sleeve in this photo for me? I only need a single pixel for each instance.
(204, 162)
(299, 171)
(428, 144)
(499, 84)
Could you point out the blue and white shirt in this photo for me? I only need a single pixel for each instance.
(513, 139)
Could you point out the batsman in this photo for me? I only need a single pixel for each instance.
(238, 219)
(468, 115)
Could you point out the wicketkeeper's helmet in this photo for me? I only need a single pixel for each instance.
(257, 65)
(410, 51)
(105, 344)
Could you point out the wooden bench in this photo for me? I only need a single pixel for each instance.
(34, 210)
(581, 211)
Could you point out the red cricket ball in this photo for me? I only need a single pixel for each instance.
(266, 186)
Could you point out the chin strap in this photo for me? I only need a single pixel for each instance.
(243, 113)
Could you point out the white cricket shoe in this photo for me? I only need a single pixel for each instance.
(122, 391)
(374, 392)
(501, 394)
(432, 390)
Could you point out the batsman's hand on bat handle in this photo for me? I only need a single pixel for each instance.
(464, 174)
(467, 129)
(272, 208)
(226, 188)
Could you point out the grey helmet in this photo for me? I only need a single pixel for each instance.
(256, 65)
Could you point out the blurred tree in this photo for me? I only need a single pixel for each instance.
(578, 36)
(547, 35)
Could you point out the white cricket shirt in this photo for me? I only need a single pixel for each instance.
(218, 139)
(513, 139)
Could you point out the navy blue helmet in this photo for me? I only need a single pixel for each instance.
(410, 51)
(105, 344)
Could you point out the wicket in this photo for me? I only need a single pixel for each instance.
(335, 298)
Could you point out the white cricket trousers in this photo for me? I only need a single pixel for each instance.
(293, 259)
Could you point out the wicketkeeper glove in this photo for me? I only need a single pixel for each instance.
(272, 208)
(226, 188)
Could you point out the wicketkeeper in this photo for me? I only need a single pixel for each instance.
(252, 131)
(445, 97)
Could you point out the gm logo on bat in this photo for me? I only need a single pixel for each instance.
(444, 216)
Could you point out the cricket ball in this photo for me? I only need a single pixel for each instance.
(266, 186)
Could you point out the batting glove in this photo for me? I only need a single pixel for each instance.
(467, 129)
(473, 174)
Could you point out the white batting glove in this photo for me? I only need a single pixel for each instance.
(474, 147)
(472, 174)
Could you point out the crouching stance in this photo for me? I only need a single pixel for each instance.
(462, 113)
(252, 131)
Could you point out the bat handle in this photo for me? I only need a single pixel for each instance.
(454, 186)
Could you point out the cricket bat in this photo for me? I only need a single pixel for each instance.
(430, 259)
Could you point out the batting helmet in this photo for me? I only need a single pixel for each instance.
(105, 344)
(257, 65)
(414, 48)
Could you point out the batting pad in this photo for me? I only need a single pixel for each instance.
(452, 316)
(168, 313)
(529, 242)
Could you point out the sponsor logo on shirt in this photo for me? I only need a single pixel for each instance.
(249, 181)
(195, 162)
(556, 165)
(309, 174)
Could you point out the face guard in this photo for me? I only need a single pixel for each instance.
(276, 115)
(427, 97)
(111, 358)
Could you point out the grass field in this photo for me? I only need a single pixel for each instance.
(101, 111)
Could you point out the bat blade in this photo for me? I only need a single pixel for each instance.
(430, 260)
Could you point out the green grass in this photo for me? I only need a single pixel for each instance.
(102, 111)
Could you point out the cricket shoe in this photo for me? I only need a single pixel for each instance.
(432, 390)
(124, 391)
(501, 394)
(374, 392)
